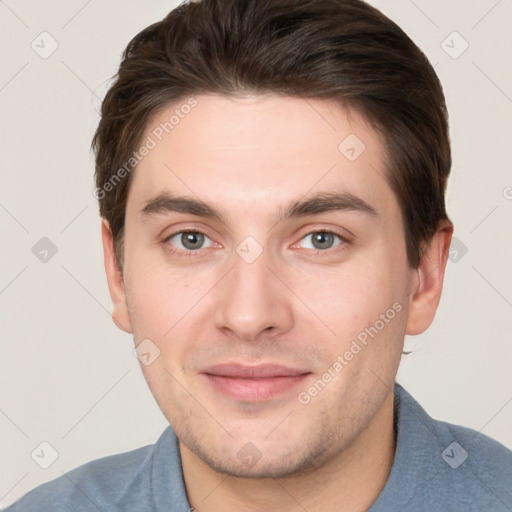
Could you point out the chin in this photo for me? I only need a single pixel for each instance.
(246, 460)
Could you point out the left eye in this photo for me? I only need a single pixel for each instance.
(322, 240)
(189, 240)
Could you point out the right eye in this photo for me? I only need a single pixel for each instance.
(187, 241)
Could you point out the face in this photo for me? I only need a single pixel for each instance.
(265, 271)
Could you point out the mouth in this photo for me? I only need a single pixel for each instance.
(254, 383)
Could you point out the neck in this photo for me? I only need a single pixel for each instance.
(350, 482)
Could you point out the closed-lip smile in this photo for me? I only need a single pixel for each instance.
(253, 383)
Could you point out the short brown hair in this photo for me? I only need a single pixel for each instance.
(342, 50)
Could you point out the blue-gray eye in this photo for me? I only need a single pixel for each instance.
(322, 240)
(189, 240)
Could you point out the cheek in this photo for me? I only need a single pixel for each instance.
(161, 304)
(347, 301)
(157, 298)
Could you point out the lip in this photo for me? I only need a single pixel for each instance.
(253, 383)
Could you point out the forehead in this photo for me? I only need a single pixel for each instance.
(259, 150)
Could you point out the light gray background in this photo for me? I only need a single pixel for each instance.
(69, 377)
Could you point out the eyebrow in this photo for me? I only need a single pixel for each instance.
(317, 204)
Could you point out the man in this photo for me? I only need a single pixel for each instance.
(271, 179)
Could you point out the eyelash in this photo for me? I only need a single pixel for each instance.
(190, 254)
(181, 252)
(344, 241)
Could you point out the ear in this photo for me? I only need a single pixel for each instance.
(428, 280)
(120, 314)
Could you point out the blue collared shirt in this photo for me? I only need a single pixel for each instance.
(437, 467)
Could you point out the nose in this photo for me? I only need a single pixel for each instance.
(251, 302)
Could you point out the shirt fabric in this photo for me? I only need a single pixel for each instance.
(437, 467)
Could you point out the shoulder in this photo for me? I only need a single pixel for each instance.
(488, 461)
(449, 465)
(93, 486)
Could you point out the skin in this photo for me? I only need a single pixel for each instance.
(294, 305)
